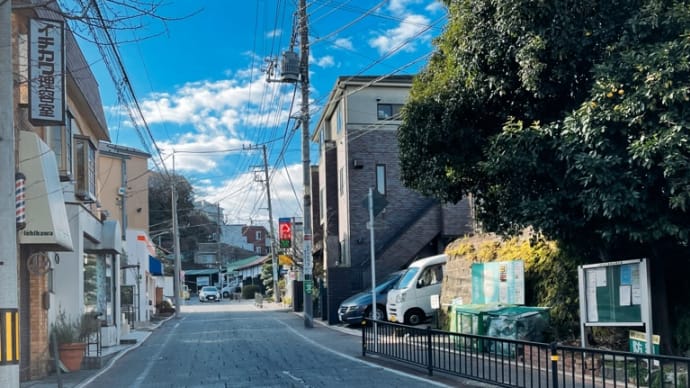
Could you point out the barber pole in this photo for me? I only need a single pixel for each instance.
(19, 192)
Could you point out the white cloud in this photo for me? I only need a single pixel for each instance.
(325, 62)
(274, 33)
(344, 43)
(435, 6)
(243, 199)
(395, 37)
(400, 7)
(199, 153)
(219, 107)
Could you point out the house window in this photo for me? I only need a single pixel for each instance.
(381, 178)
(388, 111)
(345, 252)
(85, 160)
(258, 235)
(341, 180)
(59, 139)
(338, 121)
(322, 203)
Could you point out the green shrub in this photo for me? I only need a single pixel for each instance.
(249, 290)
(550, 277)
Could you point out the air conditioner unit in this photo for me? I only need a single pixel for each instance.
(121, 191)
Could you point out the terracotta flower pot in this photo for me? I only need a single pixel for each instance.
(71, 355)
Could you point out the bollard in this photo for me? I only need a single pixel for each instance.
(364, 337)
(554, 364)
(429, 351)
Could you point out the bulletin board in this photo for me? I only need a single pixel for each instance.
(615, 293)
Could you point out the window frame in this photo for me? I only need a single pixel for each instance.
(341, 181)
(59, 139)
(85, 166)
(388, 111)
(381, 182)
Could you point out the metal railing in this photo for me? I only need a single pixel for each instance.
(130, 312)
(516, 363)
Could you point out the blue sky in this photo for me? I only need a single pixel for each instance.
(201, 86)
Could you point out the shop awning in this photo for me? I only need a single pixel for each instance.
(47, 225)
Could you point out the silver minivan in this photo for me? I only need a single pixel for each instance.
(409, 301)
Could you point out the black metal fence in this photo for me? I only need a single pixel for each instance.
(516, 363)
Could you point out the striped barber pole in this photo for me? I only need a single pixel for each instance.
(20, 199)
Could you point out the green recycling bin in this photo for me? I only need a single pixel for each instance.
(516, 322)
(471, 319)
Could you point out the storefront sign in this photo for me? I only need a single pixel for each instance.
(46, 72)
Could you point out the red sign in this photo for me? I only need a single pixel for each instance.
(285, 232)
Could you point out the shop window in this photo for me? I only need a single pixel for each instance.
(85, 160)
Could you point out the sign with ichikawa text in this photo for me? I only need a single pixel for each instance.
(46, 72)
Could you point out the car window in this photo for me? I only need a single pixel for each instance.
(209, 289)
(431, 275)
(388, 282)
(407, 278)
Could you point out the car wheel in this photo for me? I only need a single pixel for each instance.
(226, 294)
(413, 317)
(380, 313)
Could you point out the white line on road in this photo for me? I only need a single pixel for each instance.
(397, 372)
(290, 375)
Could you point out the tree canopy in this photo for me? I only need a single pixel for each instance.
(569, 117)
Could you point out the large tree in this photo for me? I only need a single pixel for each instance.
(567, 117)
(194, 226)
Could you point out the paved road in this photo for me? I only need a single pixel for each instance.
(229, 344)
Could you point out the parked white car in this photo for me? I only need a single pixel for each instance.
(409, 301)
(209, 294)
(230, 288)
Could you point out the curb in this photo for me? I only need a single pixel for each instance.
(122, 352)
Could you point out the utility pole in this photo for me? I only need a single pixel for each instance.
(176, 239)
(9, 298)
(304, 80)
(220, 259)
(274, 261)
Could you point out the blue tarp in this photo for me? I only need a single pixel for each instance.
(155, 266)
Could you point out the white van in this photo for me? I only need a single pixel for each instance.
(409, 301)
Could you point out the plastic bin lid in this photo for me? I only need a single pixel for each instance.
(514, 311)
(478, 308)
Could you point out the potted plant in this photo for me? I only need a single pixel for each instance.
(71, 336)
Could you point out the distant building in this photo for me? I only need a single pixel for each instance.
(258, 237)
(212, 211)
(358, 150)
(123, 189)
